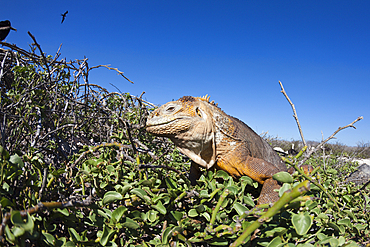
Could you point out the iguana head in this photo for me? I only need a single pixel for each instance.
(188, 123)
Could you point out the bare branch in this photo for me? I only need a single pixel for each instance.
(294, 112)
(110, 68)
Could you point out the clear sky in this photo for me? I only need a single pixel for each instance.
(235, 51)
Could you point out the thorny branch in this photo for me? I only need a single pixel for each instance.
(110, 68)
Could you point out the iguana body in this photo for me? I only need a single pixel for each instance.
(211, 138)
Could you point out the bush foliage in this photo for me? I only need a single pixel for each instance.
(78, 169)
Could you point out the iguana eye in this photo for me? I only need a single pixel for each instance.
(198, 112)
(170, 109)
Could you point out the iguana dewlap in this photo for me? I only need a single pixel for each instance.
(211, 138)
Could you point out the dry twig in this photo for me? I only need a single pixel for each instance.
(294, 113)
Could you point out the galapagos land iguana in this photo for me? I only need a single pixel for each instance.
(211, 138)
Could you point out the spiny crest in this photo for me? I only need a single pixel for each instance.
(187, 99)
(206, 98)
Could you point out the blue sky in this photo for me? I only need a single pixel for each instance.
(235, 51)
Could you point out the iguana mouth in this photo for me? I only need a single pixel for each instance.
(164, 123)
(158, 124)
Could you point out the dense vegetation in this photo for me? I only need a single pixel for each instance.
(78, 169)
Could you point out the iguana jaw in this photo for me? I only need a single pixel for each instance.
(154, 121)
(168, 126)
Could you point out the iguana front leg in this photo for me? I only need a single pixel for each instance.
(255, 168)
(194, 173)
(268, 193)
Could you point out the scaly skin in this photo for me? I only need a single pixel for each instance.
(211, 138)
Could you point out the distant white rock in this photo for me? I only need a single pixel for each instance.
(360, 161)
(363, 161)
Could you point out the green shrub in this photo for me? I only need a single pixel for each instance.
(78, 169)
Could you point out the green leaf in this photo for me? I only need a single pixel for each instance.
(302, 223)
(4, 153)
(141, 194)
(204, 194)
(206, 216)
(103, 184)
(341, 241)
(74, 235)
(348, 198)
(239, 208)
(177, 215)
(25, 223)
(311, 204)
(323, 216)
(275, 242)
(322, 236)
(283, 177)
(166, 234)
(249, 200)
(18, 231)
(106, 235)
(125, 189)
(233, 189)
(152, 215)
(58, 172)
(284, 188)
(111, 196)
(69, 244)
(360, 227)
(200, 208)
(170, 183)
(110, 169)
(334, 226)
(5, 202)
(63, 211)
(305, 245)
(193, 213)
(276, 231)
(332, 171)
(49, 239)
(160, 208)
(222, 174)
(10, 236)
(350, 214)
(129, 223)
(15, 159)
(333, 242)
(246, 179)
(118, 213)
(346, 222)
(104, 213)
